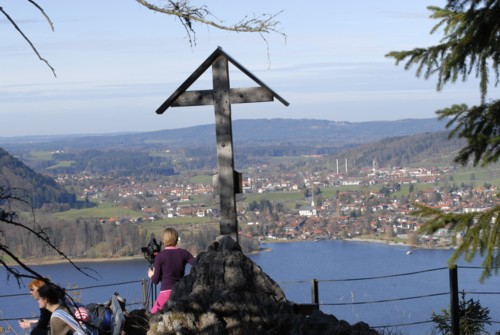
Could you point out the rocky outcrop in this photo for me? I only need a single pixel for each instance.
(227, 293)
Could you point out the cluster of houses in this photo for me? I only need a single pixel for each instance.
(349, 214)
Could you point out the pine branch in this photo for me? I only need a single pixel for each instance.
(469, 45)
(480, 126)
(481, 234)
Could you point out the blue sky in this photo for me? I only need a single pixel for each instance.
(116, 62)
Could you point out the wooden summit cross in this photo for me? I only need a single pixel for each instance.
(222, 96)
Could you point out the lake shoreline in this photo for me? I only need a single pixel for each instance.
(76, 261)
(367, 240)
(51, 261)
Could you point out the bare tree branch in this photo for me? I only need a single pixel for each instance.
(261, 24)
(27, 39)
(9, 217)
(188, 15)
(43, 13)
(16, 273)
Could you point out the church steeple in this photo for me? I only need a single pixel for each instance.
(312, 199)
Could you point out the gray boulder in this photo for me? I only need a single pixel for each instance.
(227, 293)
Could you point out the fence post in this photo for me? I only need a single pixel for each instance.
(314, 291)
(145, 301)
(454, 305)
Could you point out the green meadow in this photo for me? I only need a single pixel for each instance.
(99, 212)
(41, 155)
(61, 164)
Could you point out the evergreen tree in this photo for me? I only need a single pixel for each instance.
(473, 318)
(470, 47)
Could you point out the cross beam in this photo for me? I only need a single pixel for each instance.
(221, 97)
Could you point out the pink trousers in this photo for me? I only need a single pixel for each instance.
(160, 301)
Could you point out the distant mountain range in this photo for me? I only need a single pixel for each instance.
(259, 131)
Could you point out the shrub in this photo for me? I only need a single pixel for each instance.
(473, 318)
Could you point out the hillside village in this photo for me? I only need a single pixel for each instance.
(366, 203)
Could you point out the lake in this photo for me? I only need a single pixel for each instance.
(357, 281)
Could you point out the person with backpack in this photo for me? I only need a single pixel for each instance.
(62, 320)
(169, 267)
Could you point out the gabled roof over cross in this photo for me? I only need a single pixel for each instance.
(181, 97)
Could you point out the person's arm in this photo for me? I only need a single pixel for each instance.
(156, 272)
(191, 259)
(25, 324)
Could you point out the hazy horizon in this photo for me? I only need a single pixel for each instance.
(116, 67)
(200, 125)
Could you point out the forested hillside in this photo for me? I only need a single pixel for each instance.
(35, 188)
(424, 149)
(80, 238)
(112, 163)
(162, 161)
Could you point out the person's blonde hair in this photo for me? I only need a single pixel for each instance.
(170, 237)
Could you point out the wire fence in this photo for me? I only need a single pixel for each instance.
(446, 274)
(321, 303)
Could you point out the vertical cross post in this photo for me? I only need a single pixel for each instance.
(221, 97)
(225, 154)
